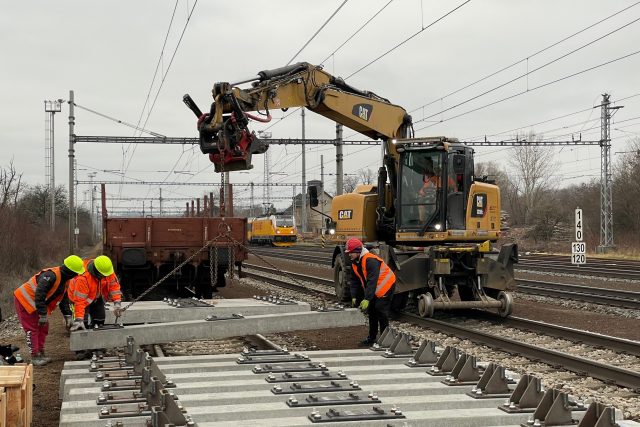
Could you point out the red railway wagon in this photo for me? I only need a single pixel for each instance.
(144, 250)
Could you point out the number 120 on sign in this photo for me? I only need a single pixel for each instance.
(578, 253)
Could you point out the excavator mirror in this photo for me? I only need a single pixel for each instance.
(458, 163)
(313, 196)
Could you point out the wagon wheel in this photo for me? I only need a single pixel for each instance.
(425, 305)
(507, 304)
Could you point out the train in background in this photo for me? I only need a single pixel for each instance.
(274, 230)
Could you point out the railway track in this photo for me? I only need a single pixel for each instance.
(611, 297)
(619, 375)
(610, 268)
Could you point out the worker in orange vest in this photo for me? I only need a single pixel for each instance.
(375, 278)
(89, 291)
(38, 297)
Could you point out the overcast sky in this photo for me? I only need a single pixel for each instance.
(107, 52)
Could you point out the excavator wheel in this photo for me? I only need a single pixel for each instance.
(340, 281)
(425, 305)
(507, 304)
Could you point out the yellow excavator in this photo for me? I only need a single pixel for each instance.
(429, 217)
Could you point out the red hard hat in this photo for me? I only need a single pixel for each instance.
(353, 245)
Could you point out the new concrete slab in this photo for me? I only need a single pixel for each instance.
(159, 311)
(216, 366)
(219, 392)
(200, 329)
(372, 381)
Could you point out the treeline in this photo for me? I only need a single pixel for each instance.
(540, 209)
(27, 242)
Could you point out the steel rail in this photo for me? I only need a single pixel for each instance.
(598, 340)
(619, 376)
(613, 297)
(610, 271)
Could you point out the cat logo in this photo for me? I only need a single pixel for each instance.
(362, 111)
(345, 214)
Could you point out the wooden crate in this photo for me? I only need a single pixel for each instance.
(3, 408)
(17, 381)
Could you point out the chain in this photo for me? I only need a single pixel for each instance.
(183, 263)
(296, 281)
(232, 260)
(213, 272)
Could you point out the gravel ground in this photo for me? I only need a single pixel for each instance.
(582, 316)
(592, 317)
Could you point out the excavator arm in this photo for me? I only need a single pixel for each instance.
(224, 132)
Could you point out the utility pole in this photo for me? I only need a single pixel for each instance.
(266, 190)
(322, 194)
(606, 202)
(339, 160)
(93, 222)
(72, 225)
(303, 222)
(293, 207)
(161, 202)
(251, 201)
(51, 108)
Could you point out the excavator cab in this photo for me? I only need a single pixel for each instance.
(432, 187)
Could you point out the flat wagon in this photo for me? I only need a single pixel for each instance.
(144, 250)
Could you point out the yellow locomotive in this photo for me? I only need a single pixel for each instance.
(274, 230)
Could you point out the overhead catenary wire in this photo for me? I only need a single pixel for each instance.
(317, 31)
(528, 57)
(521, 76)
(164, 77)
(534, 88)
(407, 39)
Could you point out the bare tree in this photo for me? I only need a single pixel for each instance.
(532, 176)
(10, 186)
(368, 176)
(626, 195)
(349, 183)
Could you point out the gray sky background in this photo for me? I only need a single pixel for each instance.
(107, 53)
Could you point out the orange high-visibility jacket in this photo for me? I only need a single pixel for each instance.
(26, 293)
(85, 288)
(386, 277)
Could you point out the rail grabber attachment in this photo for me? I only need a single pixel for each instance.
(226, 138)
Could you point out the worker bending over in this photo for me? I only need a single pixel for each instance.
(38, 297)
(89, 291)
(375, 278)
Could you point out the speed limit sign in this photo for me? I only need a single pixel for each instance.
(579, 248)
(579, 231)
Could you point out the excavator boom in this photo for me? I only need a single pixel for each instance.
(224, 132)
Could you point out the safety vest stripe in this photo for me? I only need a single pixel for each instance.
(27, 297)
(81, 295)
(384, 277)
(384, 282)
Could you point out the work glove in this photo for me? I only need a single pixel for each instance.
(78, 325)
(364, 305)
(68, 321)
(117, 309)
(353, 302)
(42, 320)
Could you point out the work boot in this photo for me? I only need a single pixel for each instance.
(367, 342)
(83, 355)
(42, 356)
(38, 361)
